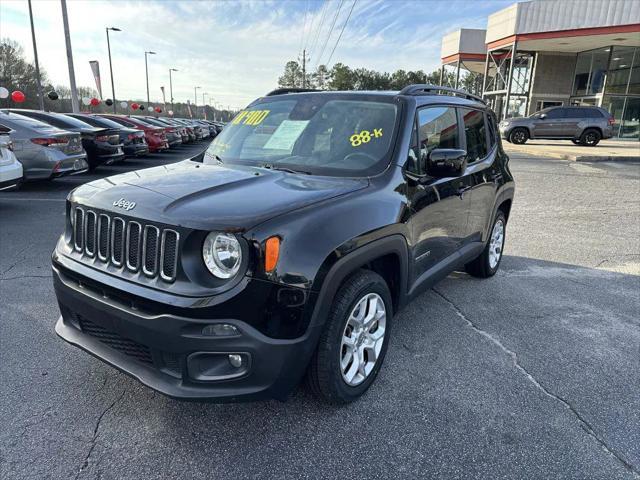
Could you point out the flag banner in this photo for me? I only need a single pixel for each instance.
(189, 108)
(95, 68)
(164, 99)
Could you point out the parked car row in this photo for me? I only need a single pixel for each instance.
(48, 145)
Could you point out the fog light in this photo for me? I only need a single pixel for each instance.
(220, 330)
(235, 360)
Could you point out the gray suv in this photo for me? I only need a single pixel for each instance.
(581, 125)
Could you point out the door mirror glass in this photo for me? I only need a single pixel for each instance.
(446, 162)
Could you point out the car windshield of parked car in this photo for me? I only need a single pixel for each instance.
(64, 121)
(322, 134)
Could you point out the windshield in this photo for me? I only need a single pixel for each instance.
(323, 134)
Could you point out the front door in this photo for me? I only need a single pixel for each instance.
(548, 123)
(439, 207)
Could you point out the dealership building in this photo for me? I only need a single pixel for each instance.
(542, 53)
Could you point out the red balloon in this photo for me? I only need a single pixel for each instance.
(158, 109)
(135, 106)
(17, 96)
(94, 102)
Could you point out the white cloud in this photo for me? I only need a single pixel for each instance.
(234, 50)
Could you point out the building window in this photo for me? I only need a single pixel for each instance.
(542, 104)
(622, 61)
(591, 70)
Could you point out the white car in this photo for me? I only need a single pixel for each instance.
(10, 167)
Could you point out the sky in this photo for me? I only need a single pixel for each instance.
(235, 50)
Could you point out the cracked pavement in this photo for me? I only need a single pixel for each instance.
(533, 373)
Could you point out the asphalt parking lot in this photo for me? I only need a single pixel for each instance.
(534, 373)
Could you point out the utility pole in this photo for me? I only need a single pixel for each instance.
(304, 68)
(35, 56)
(75, 106)
(113, 88)
(171, 85)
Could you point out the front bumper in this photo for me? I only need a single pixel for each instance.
(169, 353)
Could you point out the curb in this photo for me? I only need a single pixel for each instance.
(577, 157)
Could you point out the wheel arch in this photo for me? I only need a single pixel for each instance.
(387, 256)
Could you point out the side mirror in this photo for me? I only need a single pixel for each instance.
(543, 116)
(446, 162)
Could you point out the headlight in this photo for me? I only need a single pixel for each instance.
(222, 254)
(504, 124)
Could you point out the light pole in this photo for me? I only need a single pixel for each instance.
(113, 88)
(146, 69)
(35, 56)
(171, 85)
(195, 100)
(75, 106)
(204, 105)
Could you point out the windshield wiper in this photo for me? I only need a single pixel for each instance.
(284, 169)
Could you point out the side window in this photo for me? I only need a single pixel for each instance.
(475, 133)
(493, 138)
(4, 129)
(413, 165)
(574, 112)
(437, 128)
(556, 113)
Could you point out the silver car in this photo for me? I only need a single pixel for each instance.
(582, 125)
(10, 167)
(44, 151)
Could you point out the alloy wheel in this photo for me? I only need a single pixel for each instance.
(362, 339)
(496, 244)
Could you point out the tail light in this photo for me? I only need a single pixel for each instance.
(612, 120)
(45, 142)
(102, 138)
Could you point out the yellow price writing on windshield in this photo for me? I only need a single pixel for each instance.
(364, 136)
(250, 117)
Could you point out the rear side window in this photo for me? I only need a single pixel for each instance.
(475, 134)
(590, 113)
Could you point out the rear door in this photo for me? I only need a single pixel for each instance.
(438, 222)
(481, 146)
(569, 124)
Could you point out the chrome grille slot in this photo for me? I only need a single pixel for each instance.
(90, 233)
(78, 229)
(106, 240)
(104, 224)
(150, 248)
(117, 241)
(169, 255)
(133, 246)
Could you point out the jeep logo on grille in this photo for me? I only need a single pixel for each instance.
(124, 204)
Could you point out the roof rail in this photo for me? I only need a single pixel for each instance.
(283, 91)
(425, 89)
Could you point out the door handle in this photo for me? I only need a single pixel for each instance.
(462, 190)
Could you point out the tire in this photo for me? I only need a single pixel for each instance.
(590, 137)
(325, 376)
(576, 141)
(519, 136)
(486, 265)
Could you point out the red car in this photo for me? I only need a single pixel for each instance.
(155, 136)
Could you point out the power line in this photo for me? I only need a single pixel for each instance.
(304, 26)
(341, 32)
(319, 27)
(326, 40)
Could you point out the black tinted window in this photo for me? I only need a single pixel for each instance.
(475, 133)
(437, 128)
(556, 113)
(590, 113)
(493, 138)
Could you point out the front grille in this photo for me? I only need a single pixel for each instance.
(136, 350)
(126, 244)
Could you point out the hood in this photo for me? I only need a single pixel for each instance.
(211, 197)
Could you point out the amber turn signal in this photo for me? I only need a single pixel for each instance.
(271, 253)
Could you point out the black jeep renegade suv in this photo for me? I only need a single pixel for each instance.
(287, 249)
